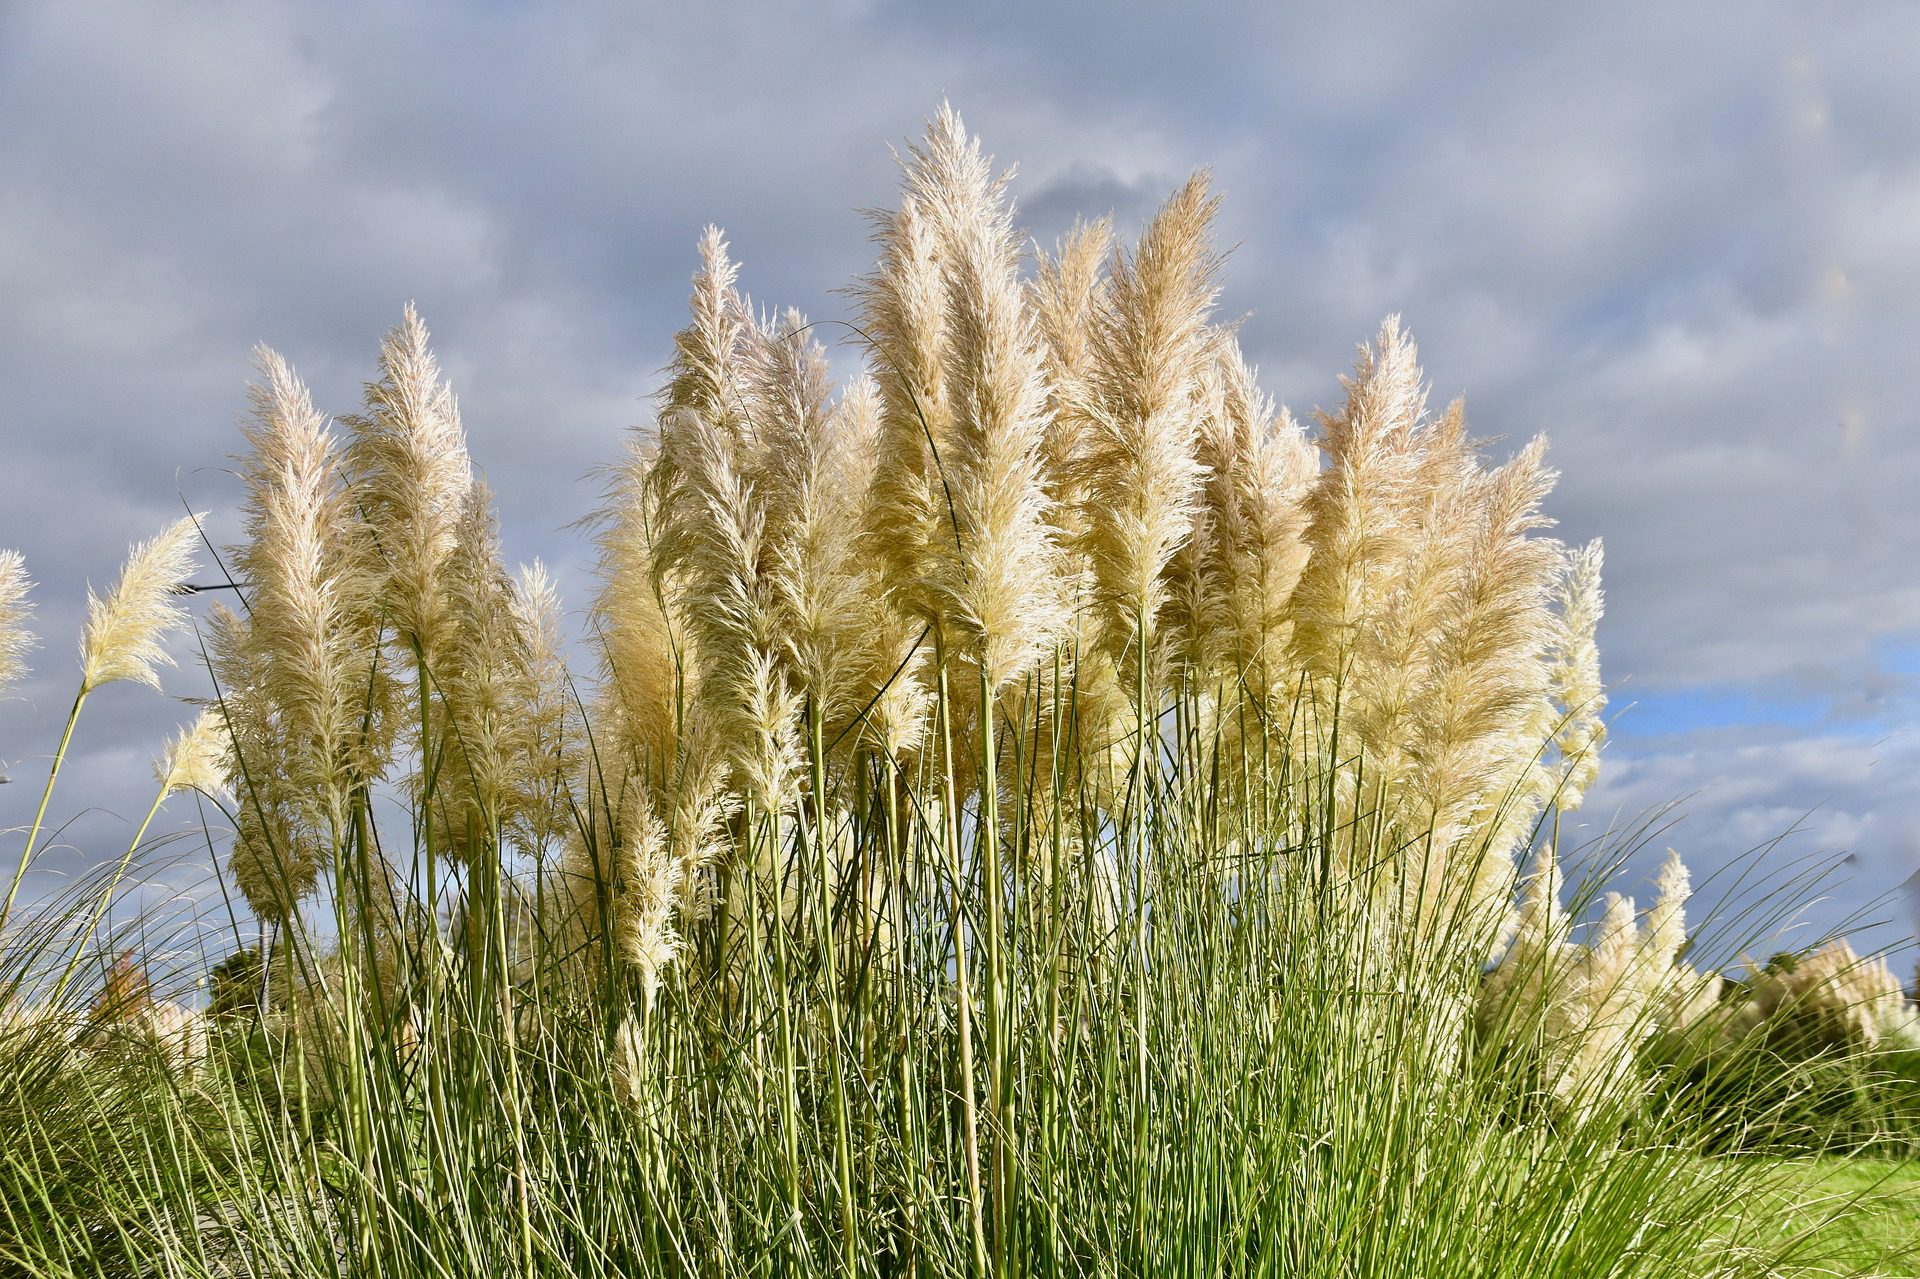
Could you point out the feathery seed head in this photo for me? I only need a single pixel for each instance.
(629, 1062)
(312, 584)
(1485, 675)
(646, 892)
(904, 317)
(126, 627)
(824, 589)
(198, 758)
(706, 367)
(482, 727)
(1574, 672)
(642, 651)
(538, 812)
(275, 859)
(990, 571)
(411, 475)
(1666, 929)
(15, 609)
(1831, 997)
(1139, 478)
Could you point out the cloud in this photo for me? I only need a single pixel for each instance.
(1775, 805)
(1700, 274)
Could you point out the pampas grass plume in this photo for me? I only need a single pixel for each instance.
(127, 626)
(994, 574)
(408, 461)
(1575, 672)
(312, 627)
(15, 609)
(198, 758)
(642, 658)
(1139, 477)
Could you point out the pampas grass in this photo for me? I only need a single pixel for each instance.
(407, 460)
(196, 758)
(1139, 476)
(128, 626)
(15, 609)
(1035, 808)
(302, 671)
(124, 640)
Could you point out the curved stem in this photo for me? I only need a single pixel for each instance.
(106, 896)
(40, 815)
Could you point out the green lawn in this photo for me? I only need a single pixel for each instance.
(1877, 1202)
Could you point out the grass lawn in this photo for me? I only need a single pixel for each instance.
(1878, 1204)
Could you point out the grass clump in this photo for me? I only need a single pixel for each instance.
(1038, 811)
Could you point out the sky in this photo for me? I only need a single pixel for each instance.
(1681, 240)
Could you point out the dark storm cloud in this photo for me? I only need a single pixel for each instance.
(1686, 245)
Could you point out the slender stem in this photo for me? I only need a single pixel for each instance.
(1055, 938)
(830, 967)
(104, 905)
(950, 835)
(1140, 917)
(783, 1001)
(896, 904)
(996, 1014)
(509, 1034)
(40, 815)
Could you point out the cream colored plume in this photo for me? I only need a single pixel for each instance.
(1069, 294)
(1608, 1016)
(1248, 549)
(646, 895)
(1666, 924)
(178, 1035)
(313, 621)
(811, 476)
(15, 609)
(1691, 999)
(1574, 674)
(1576, 1015)
(708, 353)
(629, 1062)
(1358, 526)
(276, 851)
(710, 382)
(890, 683)
(127, 627)
(643, 657)
(700, 804)
(1485, 675)
(410, 474)
(198, 758)
(991, 575)
(623, 890)
(1831, 997)
(1139, 478)
(904, 318)
(714, 542)
(1393, 666)
(727, 486)
(1529, 975)
(1420, 609)
(481, 721)
(539, 812)
(1681, 997)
